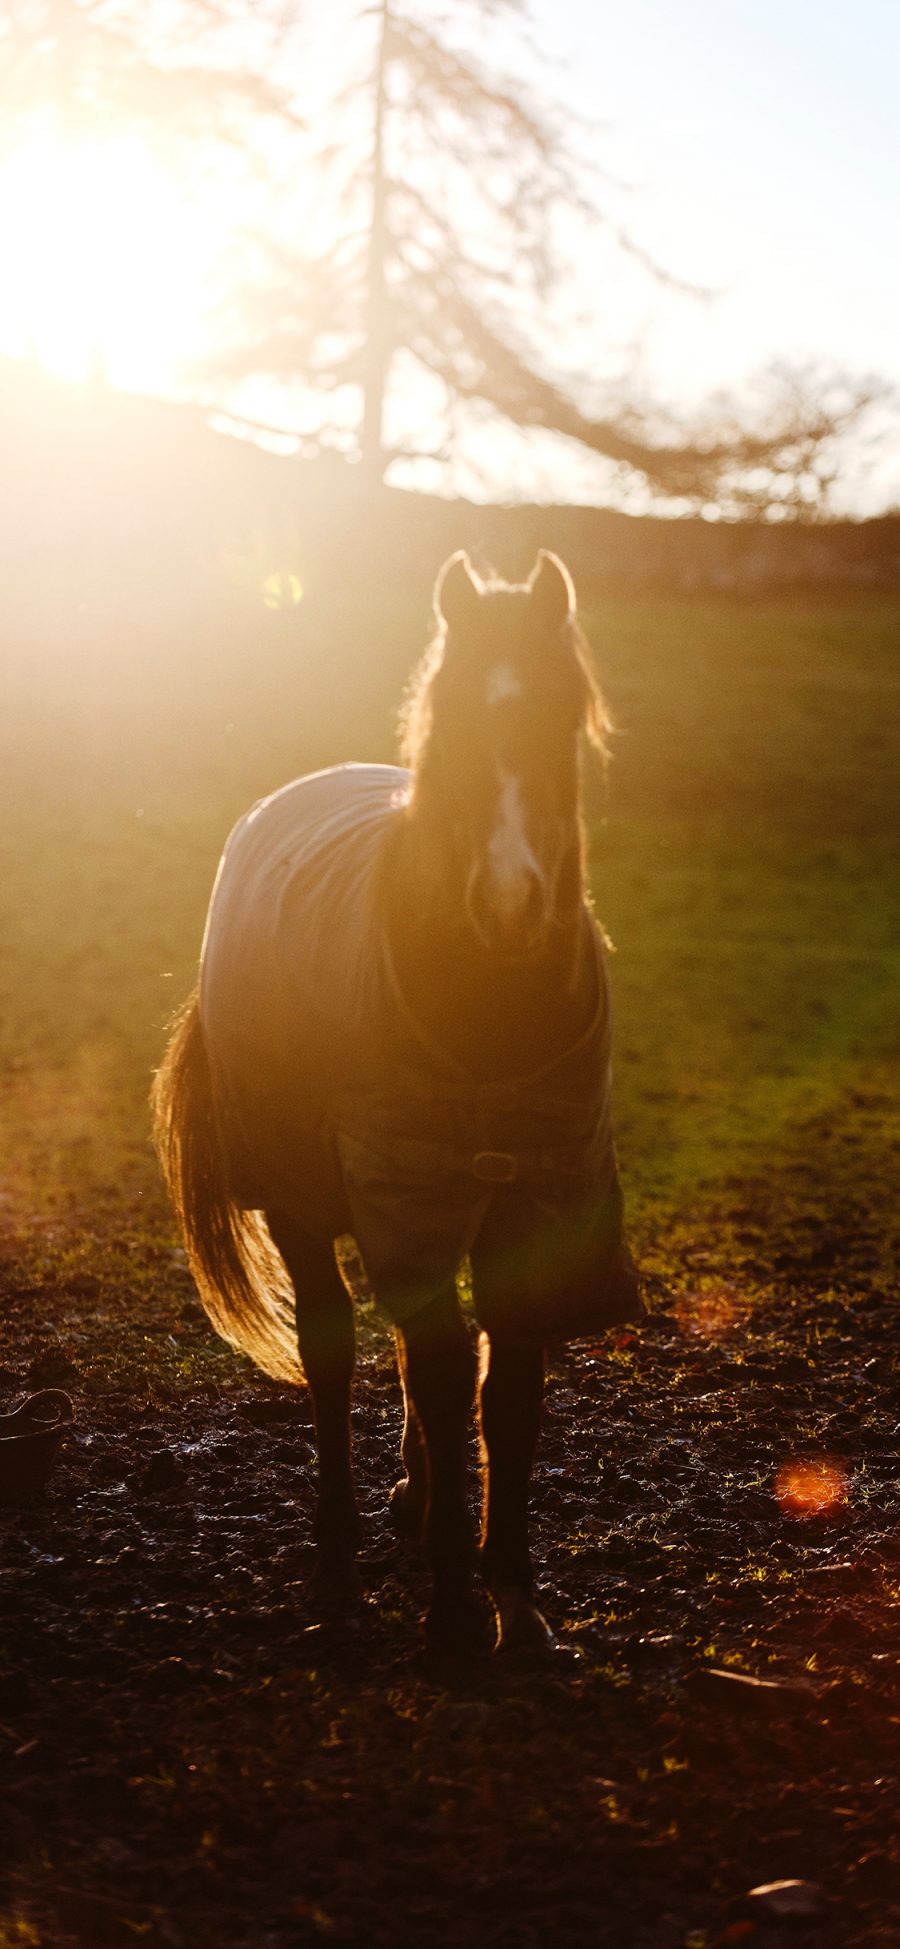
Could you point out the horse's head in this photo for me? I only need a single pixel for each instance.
(492, 732)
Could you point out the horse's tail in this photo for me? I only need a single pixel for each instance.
(240, 1276)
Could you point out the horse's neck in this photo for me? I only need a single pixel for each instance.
(497, 1016)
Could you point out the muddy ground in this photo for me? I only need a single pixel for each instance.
(190, 1754)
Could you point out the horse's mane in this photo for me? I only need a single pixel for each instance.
(416, 711)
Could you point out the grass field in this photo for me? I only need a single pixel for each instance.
(189, 1754)
(744, 857)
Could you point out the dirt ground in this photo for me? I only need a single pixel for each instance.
(190, 1754)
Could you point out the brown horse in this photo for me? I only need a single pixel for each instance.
(402, 1032)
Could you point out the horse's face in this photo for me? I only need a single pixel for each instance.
(506, 704)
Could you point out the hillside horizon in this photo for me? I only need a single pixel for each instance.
(156, 478)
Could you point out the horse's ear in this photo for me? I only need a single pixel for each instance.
(552, 590)
(457, 593)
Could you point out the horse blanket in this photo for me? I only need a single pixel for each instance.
(336, 1105)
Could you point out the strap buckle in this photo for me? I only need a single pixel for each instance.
(495, 1166)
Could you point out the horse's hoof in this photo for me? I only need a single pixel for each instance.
(524, 1631)
(406, 1509)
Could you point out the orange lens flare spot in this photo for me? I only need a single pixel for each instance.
(708, 1313)
(811, 1488)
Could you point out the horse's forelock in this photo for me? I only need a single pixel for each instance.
(501, 604)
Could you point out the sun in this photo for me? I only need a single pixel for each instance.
(107, 266)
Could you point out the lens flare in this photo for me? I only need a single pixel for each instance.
(811, 1487)
(282, 590)
(708, 1313)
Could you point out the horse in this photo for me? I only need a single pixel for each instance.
(401, 1032)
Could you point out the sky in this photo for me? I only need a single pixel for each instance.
(750, 149)
(763, 144)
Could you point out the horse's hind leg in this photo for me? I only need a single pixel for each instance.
(326, 1341)
(409, 1496)
(510, 1409)
(440, 1378)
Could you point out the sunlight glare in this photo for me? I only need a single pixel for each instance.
(105, 266)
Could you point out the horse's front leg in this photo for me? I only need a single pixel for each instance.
(512, 1389)
(439, 1379)
(326, 1342)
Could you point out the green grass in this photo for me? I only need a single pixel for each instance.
(744, 854)
(747, 871)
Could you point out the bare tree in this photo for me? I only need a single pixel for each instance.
(450, 179)
(808, 415)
